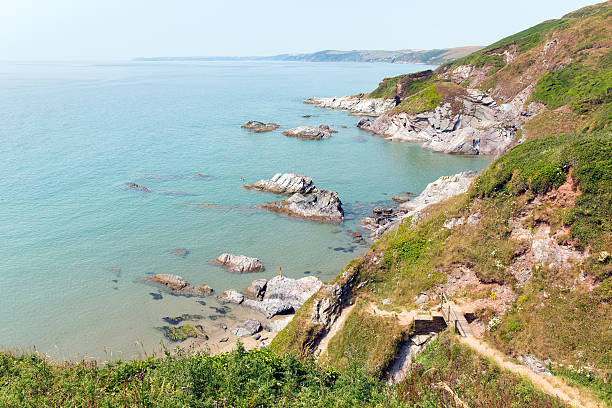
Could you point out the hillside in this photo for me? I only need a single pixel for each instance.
(552, 78)
(525, 253)
(431, 57)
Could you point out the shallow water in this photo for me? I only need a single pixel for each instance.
(75, 243)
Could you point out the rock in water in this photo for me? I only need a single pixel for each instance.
(178, 285)
(240, 263)
(288, 183)
(292, 291)
(230, 296)
(133, 186)
(310, 132)
(256, 289)
(246, 328)
(323, 206)
(260, 127)
(180, 251)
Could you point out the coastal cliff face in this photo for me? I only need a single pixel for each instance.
(553, 78)
(526, 244)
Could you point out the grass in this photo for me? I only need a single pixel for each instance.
(403, 86)
(555, 122)
(371, 340)
(431, 97)
(258, 378)
(478, 382)
(582, 87)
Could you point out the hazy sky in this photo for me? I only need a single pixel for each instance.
(118, 29)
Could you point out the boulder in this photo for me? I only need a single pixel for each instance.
(246, 328)
(288, 183)
(310, 132)
(534, 364)
(400, 199)
(239, 263)
(256, 289)
(178, 285)
(323, 206)
(292, 291)
(260, 127)
(269, 307)
(230, 296)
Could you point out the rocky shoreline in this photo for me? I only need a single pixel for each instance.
(359, 105)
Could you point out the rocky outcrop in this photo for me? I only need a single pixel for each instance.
(383, 220)
(323, 206)
(478, 126)
(269, 307)
(178, 285)
(288, 183)
(230, 296)
(240, 263)
(260, 127)
(246, 328)
(280, 295)
(357, 105)
(310, 132)
(256, 289)
(292, 291)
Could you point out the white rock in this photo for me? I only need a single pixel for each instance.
(240, 263)
(358, 105)
(288, 183)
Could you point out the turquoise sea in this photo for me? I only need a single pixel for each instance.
(75, 244)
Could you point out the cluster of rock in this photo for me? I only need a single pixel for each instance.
(357, 104)
(177, 285)
(383, 220)
(323, 206)
(288, 183)
(260, 127)
(310, 132)
(279, 295)
(239, 263)
(480, 127)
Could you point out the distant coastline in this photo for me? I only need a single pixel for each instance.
(430, 57)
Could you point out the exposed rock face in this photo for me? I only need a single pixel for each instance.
(240, 263)
(246, 328)
(279, 324)
(230, 296)
(292, 291)
(269, 307)
(310, 132)
(256, 289)
(260, 127)
(481, 127)
(280, 295)
(178, 285)
(534, 364)
(357, 105)
(443, 188)
(323, 206)
(288, 183)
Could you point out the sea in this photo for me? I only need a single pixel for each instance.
(76, 243)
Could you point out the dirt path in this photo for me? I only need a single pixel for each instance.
(548, 384)
(336, 327)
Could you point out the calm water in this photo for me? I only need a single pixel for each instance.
(74, 244)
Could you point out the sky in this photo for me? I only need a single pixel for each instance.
(125, 29)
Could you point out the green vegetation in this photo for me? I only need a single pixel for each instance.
(386, 89)
(239, 379)
(544, 163)
(366, 338)
(181, 333)
(425, 100)
(580, 86)
(478, 382)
